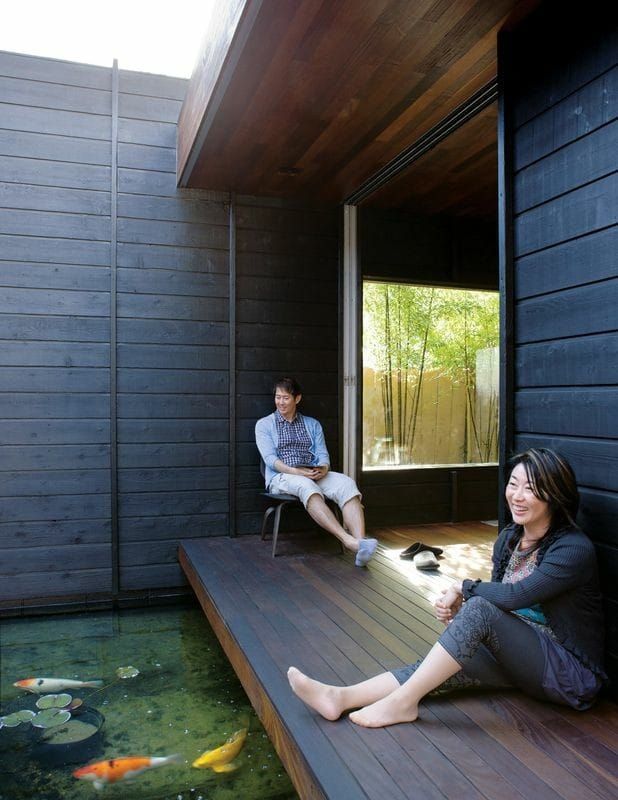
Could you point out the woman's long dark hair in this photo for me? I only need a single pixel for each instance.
(552, 480)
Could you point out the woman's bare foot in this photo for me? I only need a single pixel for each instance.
(325, 699)
(390, 710)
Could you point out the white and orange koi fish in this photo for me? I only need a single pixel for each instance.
(51, 685)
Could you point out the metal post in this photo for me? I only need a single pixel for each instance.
(113, 338)
(454, 495)
(232, 367)
(505, 257)
(350, 339)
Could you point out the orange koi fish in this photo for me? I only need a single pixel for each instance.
(120, 769)
(47, 685)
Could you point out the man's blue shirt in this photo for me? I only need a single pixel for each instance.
(267, 440)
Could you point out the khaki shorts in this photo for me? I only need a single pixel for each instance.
(334, 485)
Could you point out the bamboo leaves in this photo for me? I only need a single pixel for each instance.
(420, 341)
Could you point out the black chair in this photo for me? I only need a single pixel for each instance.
(277, 502)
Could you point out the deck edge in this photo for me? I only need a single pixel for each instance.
(303, 777)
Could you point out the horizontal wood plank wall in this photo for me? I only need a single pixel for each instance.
(287, 324)
(443, 252)
(172, 354)
(172, 312)
(565, 108)
(54, 325)
(55, 256)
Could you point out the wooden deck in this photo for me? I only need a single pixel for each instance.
(312, 608)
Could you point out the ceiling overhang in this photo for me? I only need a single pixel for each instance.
(313, 98)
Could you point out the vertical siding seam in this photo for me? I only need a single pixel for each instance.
(113, 338)
(505, 259)
(232, 366)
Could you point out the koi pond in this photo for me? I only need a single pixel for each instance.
(167, 693)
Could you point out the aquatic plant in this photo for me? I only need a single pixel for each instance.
(54, 710)
(50, 717)
(54, 701)
(16, 718)
(127, 672)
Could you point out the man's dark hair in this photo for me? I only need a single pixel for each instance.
(290, 385)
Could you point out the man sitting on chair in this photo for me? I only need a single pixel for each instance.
(294, 452)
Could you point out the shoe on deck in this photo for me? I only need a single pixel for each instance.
(426, 560)
(419, 547)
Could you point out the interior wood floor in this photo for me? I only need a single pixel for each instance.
(312, 608)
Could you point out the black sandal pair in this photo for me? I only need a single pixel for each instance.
(418, 547)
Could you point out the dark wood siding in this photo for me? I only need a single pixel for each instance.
(171, 305)
(54, 324)
(56, 248)
(172, 351)
(399, 247)
(563, 100)
(287, 324)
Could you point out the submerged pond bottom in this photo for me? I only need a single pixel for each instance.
(185, 700)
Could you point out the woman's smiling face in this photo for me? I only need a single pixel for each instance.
(526, 508)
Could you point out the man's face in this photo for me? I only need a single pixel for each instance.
(286, 403)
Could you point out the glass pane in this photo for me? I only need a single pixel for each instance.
(430, 376)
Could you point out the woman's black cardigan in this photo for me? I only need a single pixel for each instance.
(566, 584)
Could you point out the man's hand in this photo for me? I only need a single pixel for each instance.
(449, 604)
(314, 473)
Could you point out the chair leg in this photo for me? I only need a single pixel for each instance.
(267, 514)
(278, 511)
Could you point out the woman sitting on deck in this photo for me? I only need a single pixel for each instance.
(537, 625)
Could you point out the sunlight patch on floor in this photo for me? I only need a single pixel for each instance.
(458, 561)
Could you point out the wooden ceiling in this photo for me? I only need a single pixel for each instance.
(310, 98)
(458, 177)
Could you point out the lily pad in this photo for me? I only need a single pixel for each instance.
(10, 721)
(16, 718)
(127, 672)
(74, 731)
(76, 702)
(54, 701)
(51, 717)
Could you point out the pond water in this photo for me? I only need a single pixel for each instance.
(185, 700)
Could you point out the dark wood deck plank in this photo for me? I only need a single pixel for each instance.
(591, 770)
(593, 727)
(432, 760)
(397, 763)
(544, 776)
(473, 718)
(340, 624)
(389, 587)
(274, 601)
(443, 725)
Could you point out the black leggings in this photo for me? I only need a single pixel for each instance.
(493, 647)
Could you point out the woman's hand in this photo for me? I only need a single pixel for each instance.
(449, 604)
